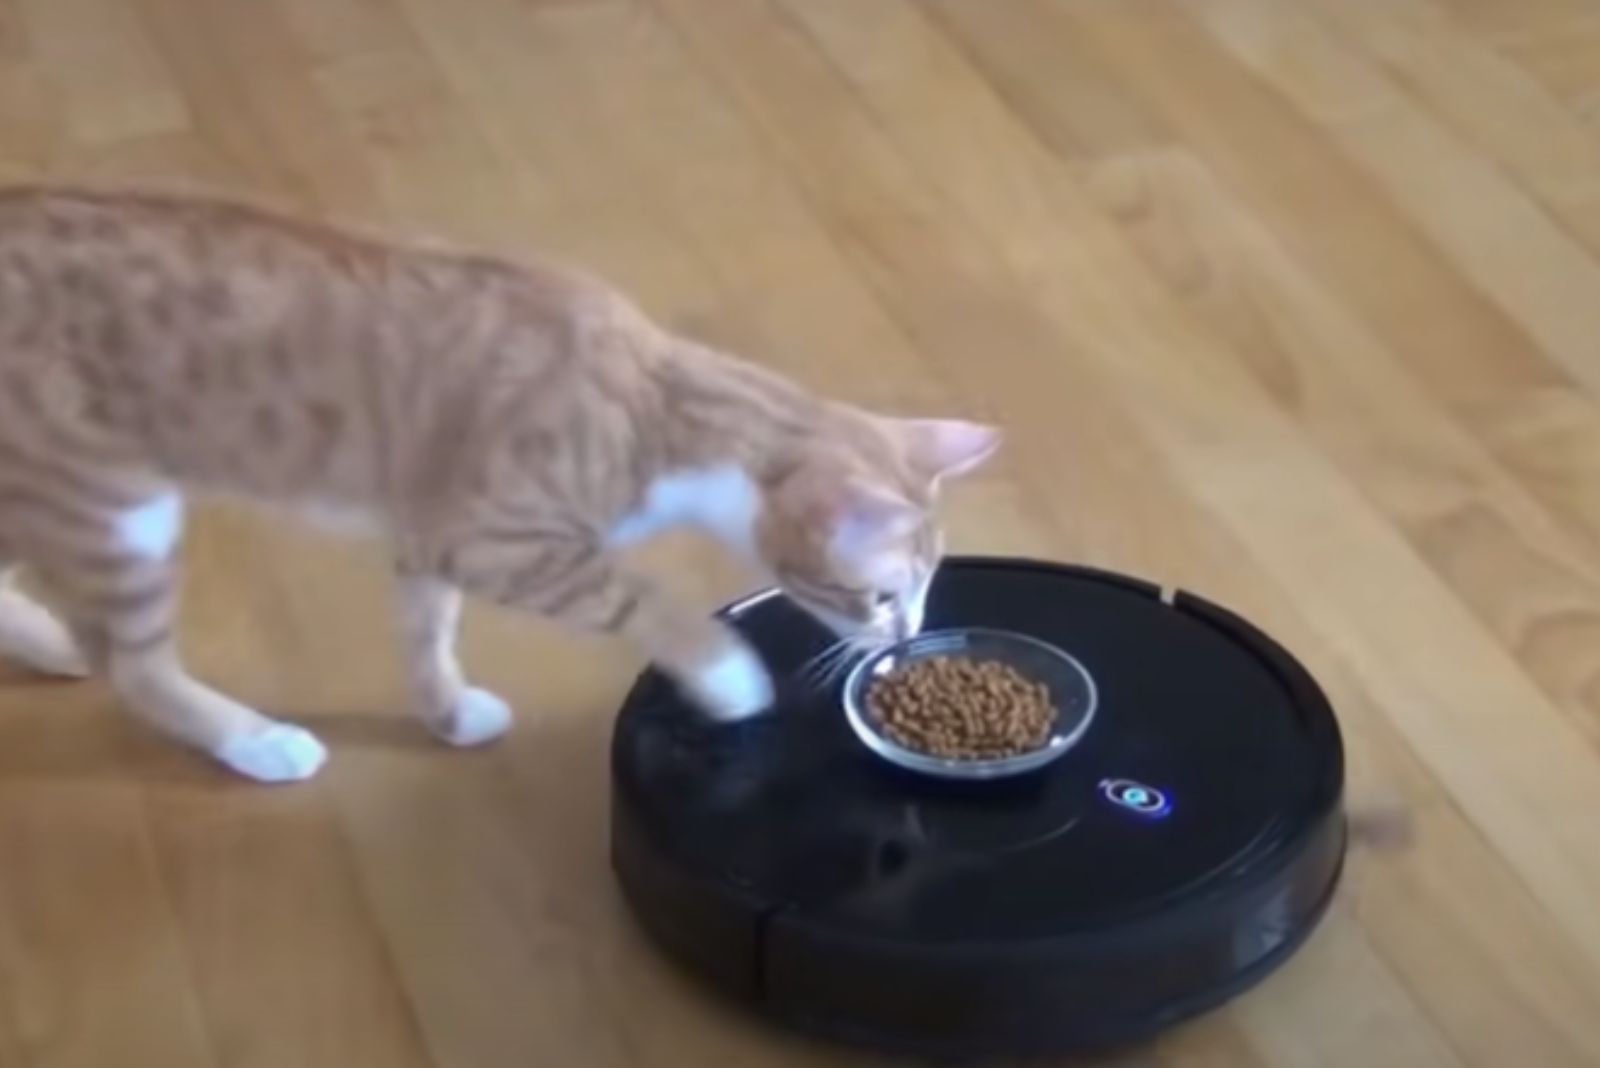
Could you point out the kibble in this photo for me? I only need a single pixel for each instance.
(962, 708)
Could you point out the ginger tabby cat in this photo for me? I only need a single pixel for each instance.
(502, 428)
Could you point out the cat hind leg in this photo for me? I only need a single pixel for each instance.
(34, 636)
(115, 561)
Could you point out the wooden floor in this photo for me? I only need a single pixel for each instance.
(1294, 303)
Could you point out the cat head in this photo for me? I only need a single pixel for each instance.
(851, 534)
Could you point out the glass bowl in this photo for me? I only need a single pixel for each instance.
(1072, 692)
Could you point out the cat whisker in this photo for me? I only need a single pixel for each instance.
(819, 665)
(835, 661)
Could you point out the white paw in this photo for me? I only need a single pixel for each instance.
(734, 686)
(479, 717)
(278, 753)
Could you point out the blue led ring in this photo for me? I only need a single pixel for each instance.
(1135, 797)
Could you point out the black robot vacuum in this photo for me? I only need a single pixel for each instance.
(1183, 843)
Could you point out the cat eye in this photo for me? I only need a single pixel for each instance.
(882, 600)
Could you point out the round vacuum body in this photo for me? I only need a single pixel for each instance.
(1183, 848)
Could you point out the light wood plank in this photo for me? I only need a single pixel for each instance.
(91, 961)
(30, 124)
(785, 291)
(1500, 240)
(331, 30)
(254, 880)
(581, 208)
(1565, 59)
(1052, 78)
(16, 43)
(97, 55)
(1493, 104)
(1474, 524)
(1510, 22)
(1464, 351)
(244, 75)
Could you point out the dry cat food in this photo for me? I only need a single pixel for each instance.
(961, 707)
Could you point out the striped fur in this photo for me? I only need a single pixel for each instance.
(502, 426)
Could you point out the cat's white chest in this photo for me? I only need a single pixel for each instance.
(724, 501)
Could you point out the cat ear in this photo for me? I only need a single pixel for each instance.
(938, 449)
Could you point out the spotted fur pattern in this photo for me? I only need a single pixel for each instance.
(503, 428)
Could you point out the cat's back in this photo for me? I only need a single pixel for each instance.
(226, 300)
(119, 276)
(193, 258)
(195, 329)
(114, 240)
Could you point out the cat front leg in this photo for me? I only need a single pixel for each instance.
(430, 614)
(578, 583)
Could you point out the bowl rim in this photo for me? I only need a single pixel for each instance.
(951, 767)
